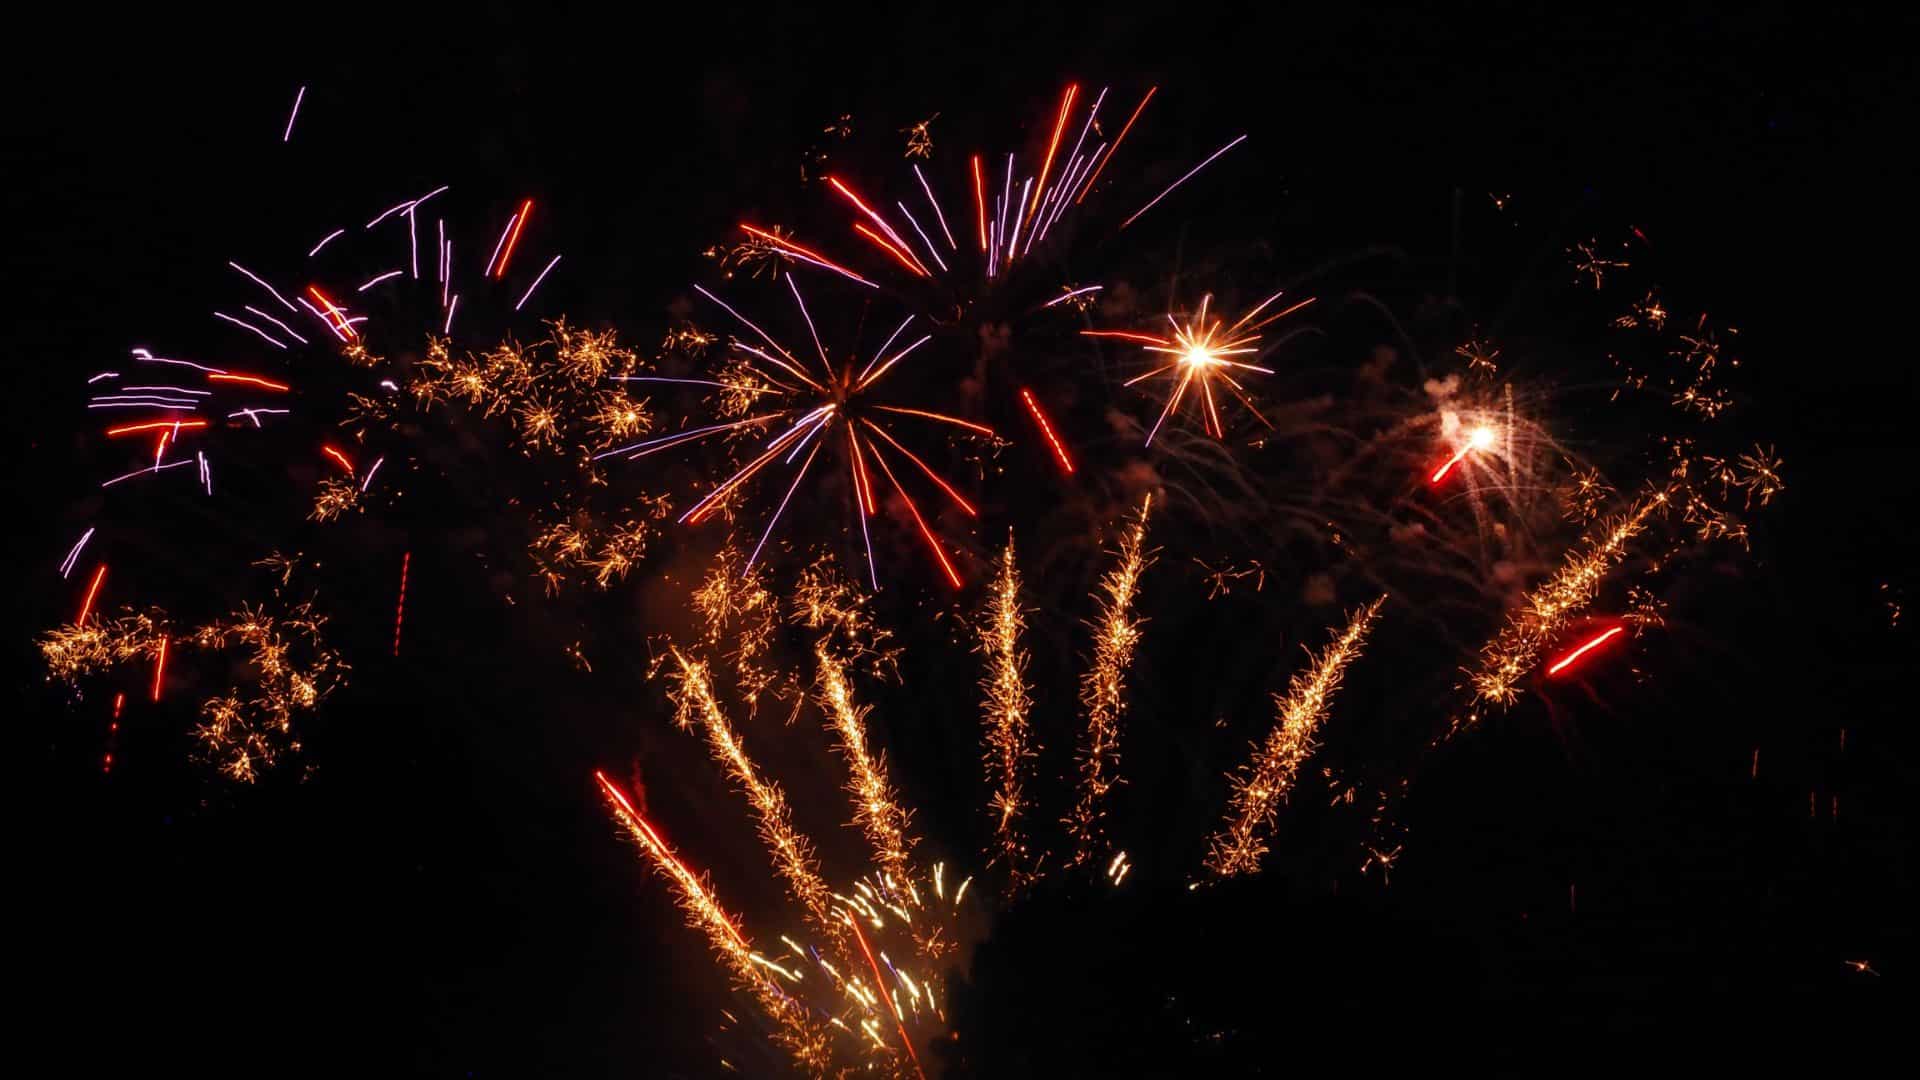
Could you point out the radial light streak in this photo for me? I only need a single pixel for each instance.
(250, 380)
(400, 605)
(1103, 689)
(160, 668)
(1591, 644)
(1190, 173)
(528, 295)
(324, 241)
(93, 591)
(73, 556)
(1263, 783)
(842, 402)
(287, 135)
(1046, 430)
(1118, 139)
(245, 325)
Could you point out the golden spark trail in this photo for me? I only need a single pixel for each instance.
(808, 1046)
(1260, 785)
(1005, 708)
(1529, 631)
(876, 807)
(1103, 689)
(792, 854)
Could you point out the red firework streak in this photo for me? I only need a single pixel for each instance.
(400, 609)
(880, 984)
(159, 669)
(1046, 429)
(1591, 644)
(113, 732)
(339, 457)
(93, 590)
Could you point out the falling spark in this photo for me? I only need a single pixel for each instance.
(1592, 643)
(1263, 783)
(73, 556)
(160, 668)
(1137, 109)
(93, 591)
(1103, 688)
(1046, 429)
(325, 240)
(528, 295)
(400, 606)
(287, 135)
(1190, 173)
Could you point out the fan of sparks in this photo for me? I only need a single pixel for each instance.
(801, 410)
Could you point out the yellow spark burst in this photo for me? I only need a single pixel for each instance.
(1261, 784)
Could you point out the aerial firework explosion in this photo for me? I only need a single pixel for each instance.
(1360, 496)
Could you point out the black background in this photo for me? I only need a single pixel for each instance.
(444, 896)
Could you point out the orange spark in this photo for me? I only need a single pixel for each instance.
(1059, 125)
(251, 380)
(339, 457)
(157, 425)
(519, 222)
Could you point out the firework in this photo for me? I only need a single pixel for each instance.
(247, 729)
(1202, 358)
(877, 809)
(1007, 740)
(797, 1033)
(1263, 783)
(843, 412)
(1103, 689)
(793, 858)
(1546, 611)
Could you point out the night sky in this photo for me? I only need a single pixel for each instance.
(1601, 880)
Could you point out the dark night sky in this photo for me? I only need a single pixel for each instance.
(445, 896)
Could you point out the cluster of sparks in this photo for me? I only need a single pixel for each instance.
(1103, 688)
(1262, 784)
(1007, 738)
(246, 729)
